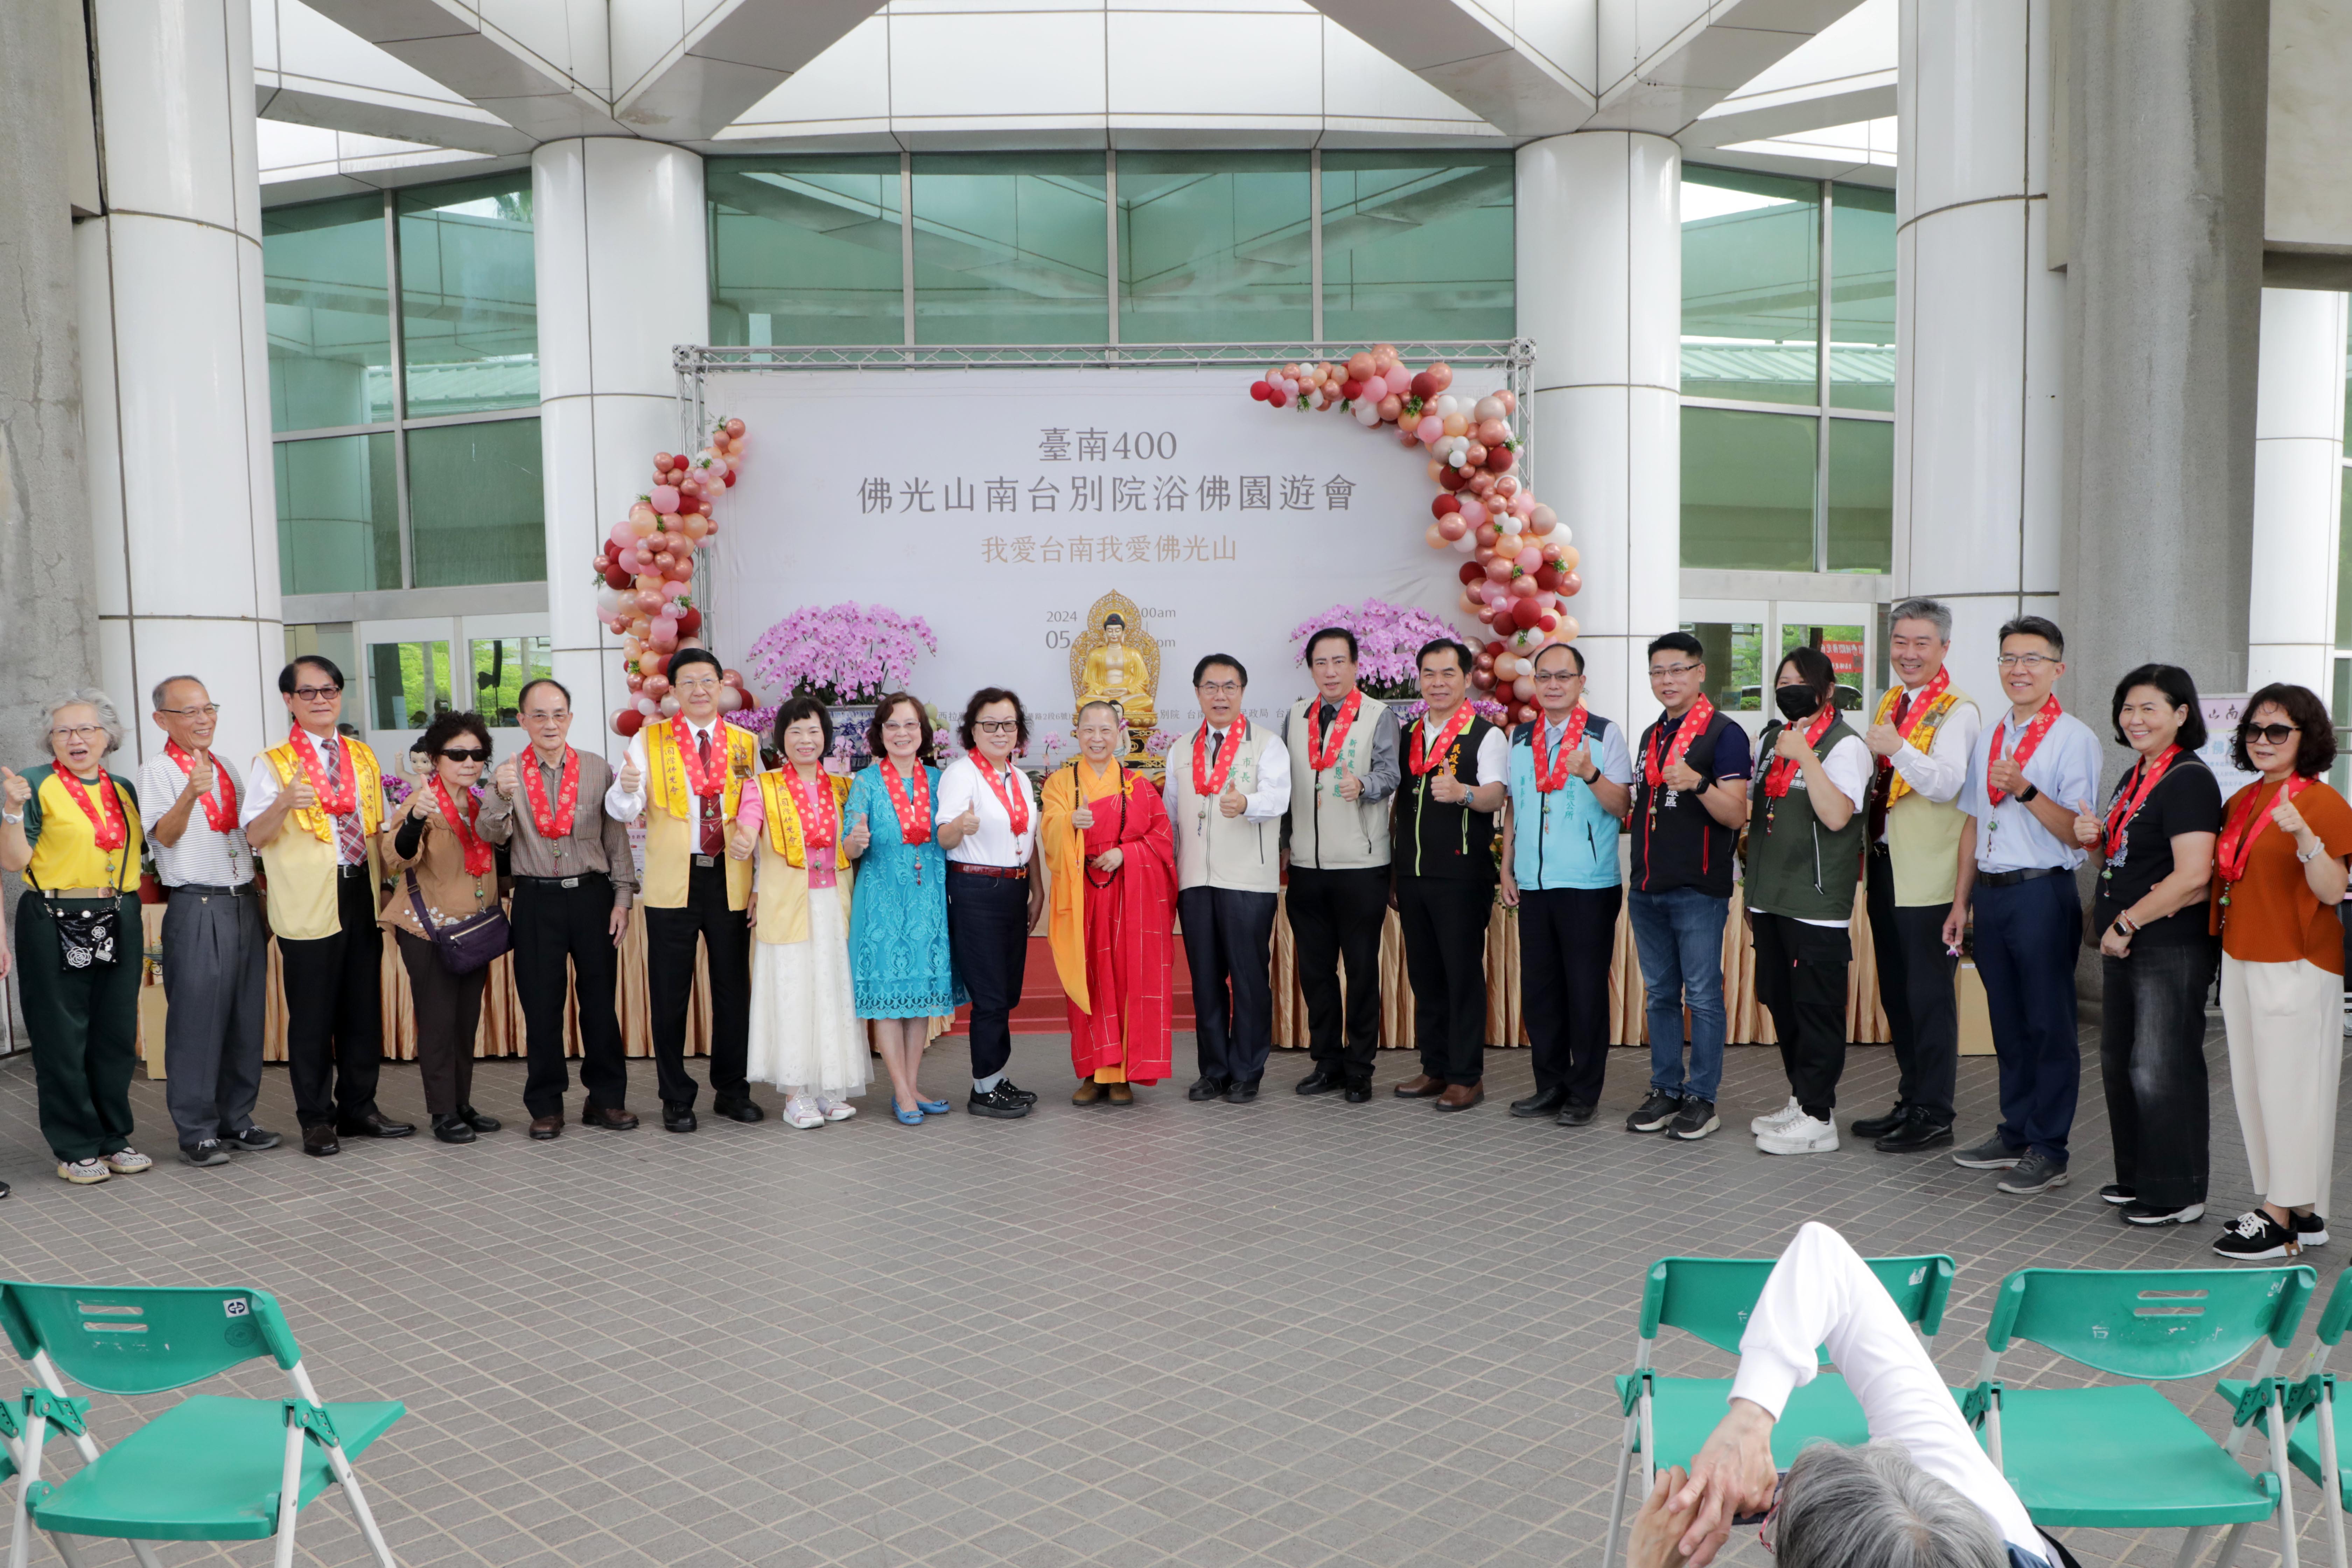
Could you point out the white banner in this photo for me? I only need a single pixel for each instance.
(1003, 506)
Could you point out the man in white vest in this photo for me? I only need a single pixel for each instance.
(1228, 785)
(1342, 749)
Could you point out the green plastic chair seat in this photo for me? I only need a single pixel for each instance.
(1684, 1410)
(2121, 1455)
(207, 1470)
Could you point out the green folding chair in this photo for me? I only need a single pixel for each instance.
(12, 1451)
(2122, 1456)
(210, 1468)
(1668, 1418)
(2310, 1445)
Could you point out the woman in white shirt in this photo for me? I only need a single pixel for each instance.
(987, 826)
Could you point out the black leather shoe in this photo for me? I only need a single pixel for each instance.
(1916, 1134)
(1322, 1080)
(997, 1103)
(1243, 1092)
(476, 1120)
(1207, 1088)
(1543, 1102)
(1575, 1113)
(678, 1118)
(452, 1129)
(320, 1141)
(374, 1124)
(1880, 1126)
(736, 1108)
(1359, 1093)
(1006, 1086)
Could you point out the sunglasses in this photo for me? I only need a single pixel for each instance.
(468, 754)
(2276, 734)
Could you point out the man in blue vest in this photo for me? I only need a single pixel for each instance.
(1571, 783)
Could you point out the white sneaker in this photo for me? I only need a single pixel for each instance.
(127, 1161)
(1802, 1136)
(802, 1111)
(835, 1110)
(1779, 1119)
(83, 1173)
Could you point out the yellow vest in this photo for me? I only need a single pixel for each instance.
(303, 902)
(673, 828)
(1923, 837)
(783, 915)
(67, 854)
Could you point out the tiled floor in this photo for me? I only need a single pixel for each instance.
(1291, 1333)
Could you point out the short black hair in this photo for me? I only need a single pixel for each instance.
(1440, 645)
(2034, 626)
(1342, 632)
(687, 655)
(1677, 642)
(1813, 667)
(982, 699)
(2315, 747)
(447, 727)
(2179, 690)
(1200, 671)
(288, 680)
(524, 696)
(883, 708)
(1536, 659)
(796, 708)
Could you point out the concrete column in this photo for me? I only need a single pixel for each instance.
(623, 279)
(44, 543)
(1978, 383)
(1599, 270)
(176, 369)
(2165, 130)
(2298, 491)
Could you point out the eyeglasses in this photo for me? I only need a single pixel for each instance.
(2276, 734)
(2027, 661)
(77, 732)
(1658, 670)
(1221, 688)
(1546, 676)
(208, 710)
(996, 726)
(466, 754)
(902, 726)
(702, 683)
(316, 693)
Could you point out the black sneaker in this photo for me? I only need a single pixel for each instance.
(1655, 1112)
(999, 1103)
(2253, 1235)
(251, 1140)
(1880, 1126)
(2136, 1212)
(1006, 1086)
(2310, 1230)
(1916, 1134)
(207, 1153)
(1992, 1155)
(2034, 1172)
(2117, 1194)
(1693, 1121)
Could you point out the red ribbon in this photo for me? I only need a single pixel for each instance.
(555, 824)
(1782, 772)
(1421, 761)
(2027, 744)
(1015, 804)
(2236, 849)
(479, 856)
(1692, 726)
(1208, 781)
(820, 820)
(1551, 774)
(346, 796)
(2129, 800)
(913, 811)
(1320, 755)
(108, 826)
(220, 812)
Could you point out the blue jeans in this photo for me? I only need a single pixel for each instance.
(1680, 937)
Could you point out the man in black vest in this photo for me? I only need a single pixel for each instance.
(1457, 771)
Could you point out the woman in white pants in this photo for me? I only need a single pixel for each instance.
(2278, 877)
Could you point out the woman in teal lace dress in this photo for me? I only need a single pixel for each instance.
(898, 922)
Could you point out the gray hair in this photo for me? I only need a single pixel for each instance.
(1869, 1507)
(89, 697)
(1928, 610)
(155, 698)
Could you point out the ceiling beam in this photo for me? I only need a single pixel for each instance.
(1522, 84)
(740, 51)
(452, 43)
(1669, 85)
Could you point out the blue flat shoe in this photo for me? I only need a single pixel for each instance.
(907, 1118)
(935, 1107)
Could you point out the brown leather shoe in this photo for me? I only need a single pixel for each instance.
(1422, 1087)
(1120, 1094)
(545, 1127)
(1461, 1096)
(1086, 1093)
(611, 1118)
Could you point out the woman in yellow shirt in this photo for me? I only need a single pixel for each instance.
(72, 830)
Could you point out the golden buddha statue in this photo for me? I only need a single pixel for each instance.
(1115, 672)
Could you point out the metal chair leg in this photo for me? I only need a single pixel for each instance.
(1617, 1498)
(358, 1499)
(2229, 1552)
(2274, 1421)
(290, 1492)
(2330, 1488)
(2189, 1543)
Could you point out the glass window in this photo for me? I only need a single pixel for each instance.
(1862, 495)
(1748, 491)
(330, 323)
(338, 515)
(1011, 248)
(469, 295)
(1861, 298)
(502, 667)
(1751, 286)
(1844, 645)
(1417, 246)
(410, 683)
(805, 250)
(1735, 663)
(2344, 568)
(476, 512)
(1214, 248)
(2340, 775)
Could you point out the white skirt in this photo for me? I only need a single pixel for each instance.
(804, 1029)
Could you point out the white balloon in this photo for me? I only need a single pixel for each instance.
(1489, 408)
(1465, 544)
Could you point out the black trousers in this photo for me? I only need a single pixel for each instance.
(1228, 945)
(1336, 917)
(2152, 1060)
(1444, 921)
(83, 1025)
(988, 939)
(1800, 974)
(726, 936)
(1918, 986)
(334, 1011)
(448, 1016)
(1566, 938)
(553, 925)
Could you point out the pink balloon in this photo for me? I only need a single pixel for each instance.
(1429, 428)
(665, 498)
(665, 636)
(1530, 558)
(1474, 513)
(648, 707)
(648, 600)
(1523, 505)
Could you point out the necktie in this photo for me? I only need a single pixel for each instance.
(1885, 777)
(1326, 717)
(713, 840)
(350, 849)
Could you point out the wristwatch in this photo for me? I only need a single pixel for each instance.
(17, 820)
(2029, 794)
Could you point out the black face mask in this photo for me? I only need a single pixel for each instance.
(1797, 701)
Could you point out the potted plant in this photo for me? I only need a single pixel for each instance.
(845, 655)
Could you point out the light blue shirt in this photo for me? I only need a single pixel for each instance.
(2064, 766)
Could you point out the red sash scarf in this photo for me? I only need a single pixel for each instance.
(1693, 724)
(690, 756)
(555, 824)
(1015, 804)
(2236, 849)
(108, 827)
(1782, 772)
(2027, 743)
(1551, 774)
(1208, 781)
(911, 801)
(1923, 699)
(1320, 755)
(220, 809)
(1426, 760)
(2129, 799)
(479, 856)
(821, 818)
(344, 798)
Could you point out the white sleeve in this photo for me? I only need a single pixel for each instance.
(1822, 1293)
(1616, 757)
(1272, 797)
(1938, 771)
(1495, 757)
(956, 783)
(261, 790)
(1848, 766)
(159, 783)
(624, 805)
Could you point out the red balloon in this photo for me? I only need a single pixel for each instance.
(1452, 478)
(1470, 572)
(627, 721)
(1547, 578)
(1261, 391)
(1547, 623)
(1493, 648)
(1441, 505)
(1505, 621)
(1499, 460)
(689, 621)
(616, 577)
(1424, 386)
(1351, 390)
